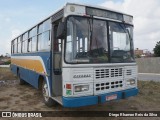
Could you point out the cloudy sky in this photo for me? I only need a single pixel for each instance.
(16, 16)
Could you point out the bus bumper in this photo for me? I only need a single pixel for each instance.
(92, 100)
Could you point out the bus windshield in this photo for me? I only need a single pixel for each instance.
(87, 41)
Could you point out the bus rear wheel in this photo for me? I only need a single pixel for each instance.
(45, 94)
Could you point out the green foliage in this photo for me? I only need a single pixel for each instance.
(137, 56)
(157, 50)
(8, 62)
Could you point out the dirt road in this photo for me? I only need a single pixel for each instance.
(14, 97)
(25, 98)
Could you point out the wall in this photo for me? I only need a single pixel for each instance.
(148, 65)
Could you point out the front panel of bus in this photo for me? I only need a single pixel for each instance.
(98, 62)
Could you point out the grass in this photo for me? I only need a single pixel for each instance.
(149, 91)
(147, 99)
(5, 74)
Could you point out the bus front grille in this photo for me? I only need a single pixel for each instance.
(108, 85)
(108, 73)
(109, 79)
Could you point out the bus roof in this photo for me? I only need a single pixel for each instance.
(86, 5)
(98, 7)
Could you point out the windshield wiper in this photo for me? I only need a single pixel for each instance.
(126, 30)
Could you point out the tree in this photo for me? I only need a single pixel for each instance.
(1, 56)
(157, 49)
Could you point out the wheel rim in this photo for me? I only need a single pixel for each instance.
(45, 92)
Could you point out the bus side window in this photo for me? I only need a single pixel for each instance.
(13, 49)
(57, 45)
(29, 44)
(44, 35)
(19, 45)
(24, 42)
(15, 46)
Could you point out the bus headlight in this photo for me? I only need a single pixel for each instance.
(81, 88)
(131, 82)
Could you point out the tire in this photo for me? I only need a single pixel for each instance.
(21, 82)
(45, 94)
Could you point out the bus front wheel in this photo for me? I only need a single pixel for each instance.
(45, 93)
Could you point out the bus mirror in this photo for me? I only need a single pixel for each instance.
(60, 30)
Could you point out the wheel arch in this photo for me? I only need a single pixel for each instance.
(17, 70)
(40, 81)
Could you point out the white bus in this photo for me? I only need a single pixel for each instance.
(81, 55)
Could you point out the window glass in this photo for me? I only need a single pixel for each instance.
(24, 42)
(15, 46)
(44, 41)
(30, 45)
(99, 35)
(39, 41)
(25, 36)
(24, 45)
(121, 42)
(12, 46)
(19, 44)
(81, 45)
(57, 45)
(46, 25)
(34, 43)
(33, 40)
(46, 36)
(19, 39)
(40, 28)
(34, 31)
(30, 33)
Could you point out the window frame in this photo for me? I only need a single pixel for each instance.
(40, 34)
(108, 40)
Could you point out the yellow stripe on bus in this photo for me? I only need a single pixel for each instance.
(34, 65)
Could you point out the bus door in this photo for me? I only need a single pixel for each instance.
(57, 63)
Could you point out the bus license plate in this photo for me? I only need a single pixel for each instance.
(111, 97)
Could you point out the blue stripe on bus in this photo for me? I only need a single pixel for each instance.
(92, 100)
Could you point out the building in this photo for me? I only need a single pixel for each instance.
(142, 53)
(138, 52)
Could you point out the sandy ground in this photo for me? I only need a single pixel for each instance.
(15, 97)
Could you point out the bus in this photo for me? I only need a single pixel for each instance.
(81, 55)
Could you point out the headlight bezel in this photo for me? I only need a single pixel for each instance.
(81, 88)
(131, 82)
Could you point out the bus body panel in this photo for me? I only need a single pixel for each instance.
(29, 76)
(92, 100)
(31, 66)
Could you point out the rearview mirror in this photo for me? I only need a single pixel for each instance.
(60, 31)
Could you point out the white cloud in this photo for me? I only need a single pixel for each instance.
(5, 42)
(146, 20)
